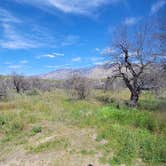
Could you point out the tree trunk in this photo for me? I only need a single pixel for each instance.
(18, 89)
(134, 99)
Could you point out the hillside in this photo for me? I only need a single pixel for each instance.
(99, 71)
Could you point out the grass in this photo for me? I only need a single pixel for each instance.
(48, 146)
(129, 134)
(133, 133)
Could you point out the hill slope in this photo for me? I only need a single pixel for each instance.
(96, 72)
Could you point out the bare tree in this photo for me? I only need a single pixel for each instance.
(3, 88)
(78, 87)
(135, 53)
(18, 82)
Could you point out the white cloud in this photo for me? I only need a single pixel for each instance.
(7, 63)
(131, 20)
(24, 62)
(97, 49)
(6, 16)
(77, 59)
(58, 54)
(84, 7)
(157, 6)
(57, 66)
(12, 39)
(51, 55)
(14, 67)
(70, 40)
(107, 51)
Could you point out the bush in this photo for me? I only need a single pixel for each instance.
(36, 129)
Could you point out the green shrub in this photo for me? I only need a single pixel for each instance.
(36, 129)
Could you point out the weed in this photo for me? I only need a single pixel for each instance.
(36, 129)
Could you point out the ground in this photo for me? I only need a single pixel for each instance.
(51, 129)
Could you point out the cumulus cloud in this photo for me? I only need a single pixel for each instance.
(157, 6)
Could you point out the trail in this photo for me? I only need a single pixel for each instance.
(79, 140)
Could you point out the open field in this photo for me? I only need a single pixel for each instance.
(50, 129)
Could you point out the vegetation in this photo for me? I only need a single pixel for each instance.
(49, 122)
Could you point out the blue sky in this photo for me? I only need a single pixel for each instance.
(39, 36)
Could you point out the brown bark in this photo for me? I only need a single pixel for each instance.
(134, 99)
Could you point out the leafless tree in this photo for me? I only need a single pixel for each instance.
(115, 85)
(3, 88)
(136, 50)
(18, 82)
(78, 87)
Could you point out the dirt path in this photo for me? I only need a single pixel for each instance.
(80, 142)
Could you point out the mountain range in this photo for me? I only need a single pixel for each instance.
(96, 72)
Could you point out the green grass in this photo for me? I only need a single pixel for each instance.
(131, 134)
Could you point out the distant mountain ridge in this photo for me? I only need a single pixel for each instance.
(96, 72)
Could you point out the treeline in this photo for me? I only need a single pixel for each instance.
(78, 87)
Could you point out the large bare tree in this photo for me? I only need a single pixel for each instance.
(136, 53)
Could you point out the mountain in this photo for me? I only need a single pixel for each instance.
(96, 72)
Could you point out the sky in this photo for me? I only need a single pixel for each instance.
(40, 36)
